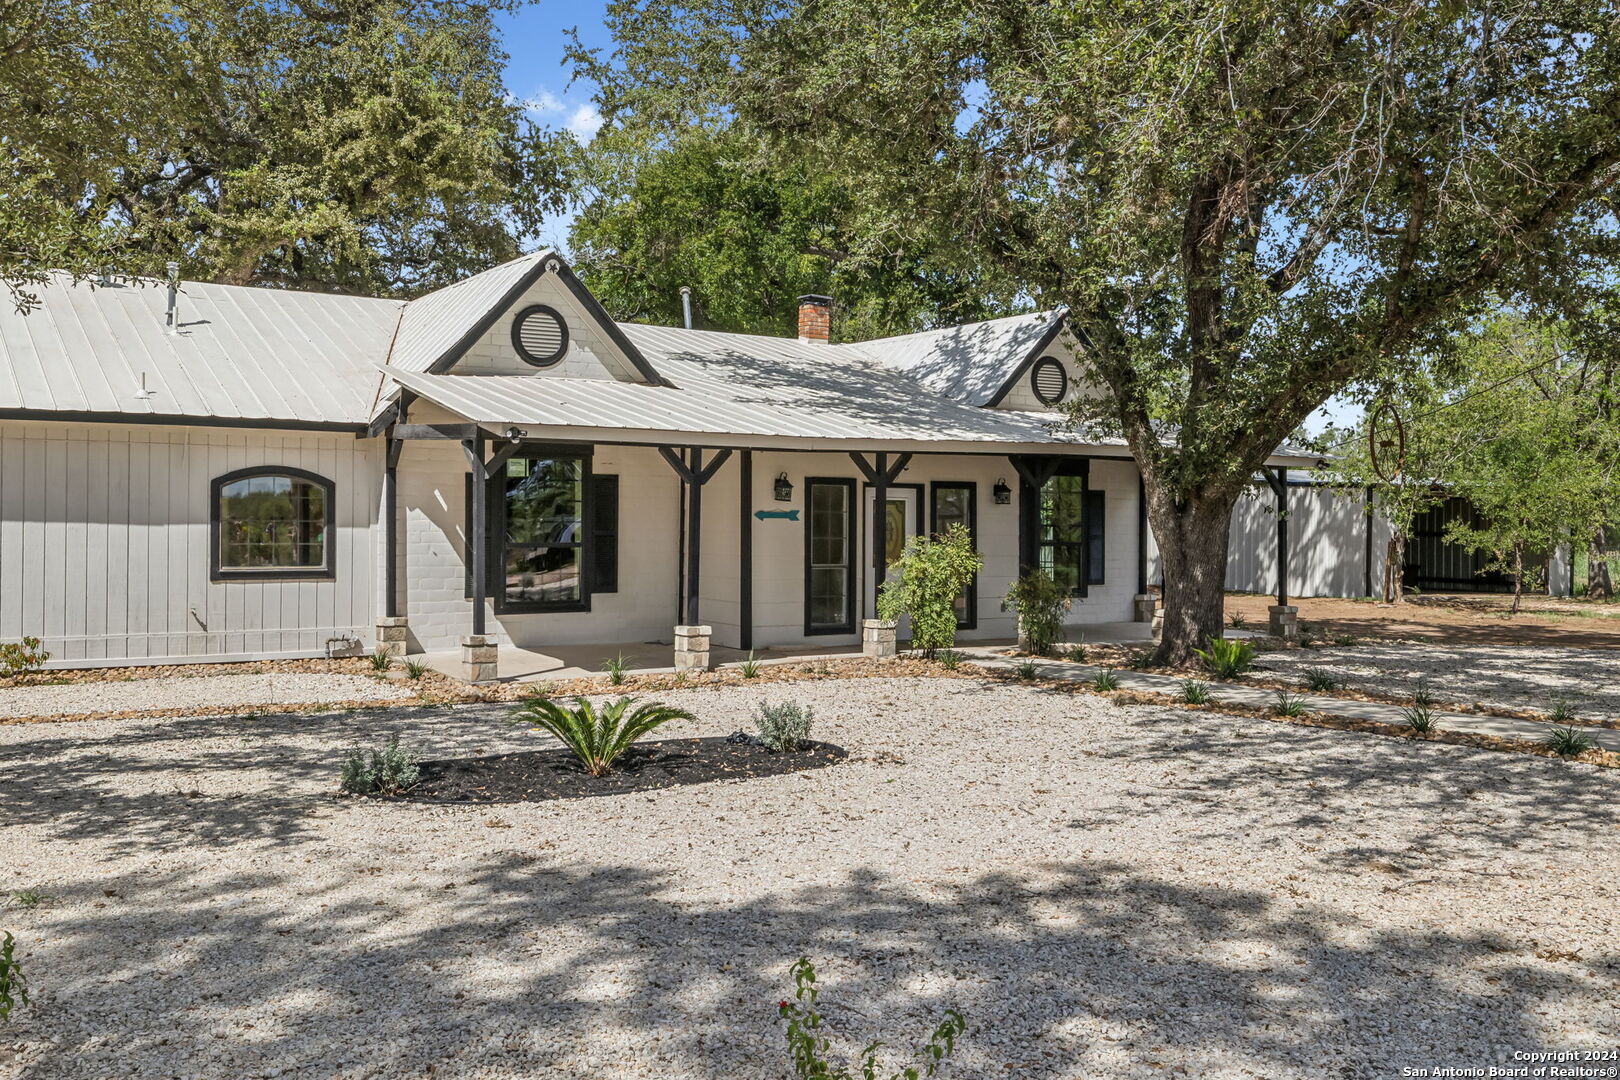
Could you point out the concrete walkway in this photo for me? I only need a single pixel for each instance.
(1258, 698)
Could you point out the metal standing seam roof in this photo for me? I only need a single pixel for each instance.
(971, 364)
(239, 353)
(432, 325)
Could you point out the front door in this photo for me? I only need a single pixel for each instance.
(900, 521)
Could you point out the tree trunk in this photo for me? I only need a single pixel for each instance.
(1518, 577)
(1598, 582)
(1192, 540)
(1394, 569)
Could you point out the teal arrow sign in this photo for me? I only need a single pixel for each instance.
(787, 515)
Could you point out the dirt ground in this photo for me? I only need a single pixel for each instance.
(1467, 619)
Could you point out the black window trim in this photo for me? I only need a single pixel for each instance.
(852, 600)
(971, 622)
(495, 517)
(517, 336)
(1081, 467)
(216, 489)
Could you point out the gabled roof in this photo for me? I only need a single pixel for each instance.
(975, 364)
(239, 354)
(438, 328)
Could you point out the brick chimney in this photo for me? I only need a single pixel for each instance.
(815, 318)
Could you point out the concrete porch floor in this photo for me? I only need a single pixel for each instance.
(651, 657)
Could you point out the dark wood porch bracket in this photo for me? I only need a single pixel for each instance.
(880, 474)
(694, 474)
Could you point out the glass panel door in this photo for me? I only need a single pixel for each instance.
(829, 558)
(900, 523)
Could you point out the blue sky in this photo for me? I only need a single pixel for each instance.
(535, 37)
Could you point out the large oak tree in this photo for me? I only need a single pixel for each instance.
(1247, 205)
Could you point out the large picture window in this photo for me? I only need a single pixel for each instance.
(541, 561)
(1069, 540)
(829, 556)
(954, 503)
(272, 522)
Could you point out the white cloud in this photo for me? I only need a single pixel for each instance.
(544, 103)
(584, 122)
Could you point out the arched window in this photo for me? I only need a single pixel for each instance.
(272, 522)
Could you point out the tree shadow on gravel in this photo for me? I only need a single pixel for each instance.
(1078, 968)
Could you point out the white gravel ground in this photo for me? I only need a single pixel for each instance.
(1104, 891)
(1509, 676)
(194, 692)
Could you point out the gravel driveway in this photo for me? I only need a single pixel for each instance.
(194, 692)
(1104, 891)
(1509, 676)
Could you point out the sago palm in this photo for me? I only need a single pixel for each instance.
(598, 736)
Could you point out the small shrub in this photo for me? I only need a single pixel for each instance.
(598, 736)
(1322, 680)
(392, 770)
(1040, 603)
(749, 667)
(1105, 680)
(1562, 713)
(1227, 658)
(616, 666)
(949, 659)
(1568, 741)
(1026, 671)
(22, 657)
(1194, 692)
(808, 1047)
(1346, 639)
(1421, 696)
(13, 992)
(29, 897)
(415, 669)
(1419, 718)
(1075, 653)
(381, 661)
(930, 574)
(784, 727)
(1287, 704)
(1238, 621)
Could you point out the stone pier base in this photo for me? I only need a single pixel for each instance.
(1284, 621)
(479, 661)
(392, 632)
(692, 648)
(878, 638)
(1146, 605)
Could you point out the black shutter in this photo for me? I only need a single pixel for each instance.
(1096, 554)
(604, 533)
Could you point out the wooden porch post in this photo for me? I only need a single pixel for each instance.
(480, 532)
(880, 522)
(694, 537)
(1281, 487)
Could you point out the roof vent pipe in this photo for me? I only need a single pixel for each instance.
(686, 306)
(170, 323)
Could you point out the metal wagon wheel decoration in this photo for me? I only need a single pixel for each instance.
(1386, 442)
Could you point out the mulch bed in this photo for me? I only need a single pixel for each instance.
(541, 775)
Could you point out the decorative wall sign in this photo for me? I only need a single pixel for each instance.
(785, 515)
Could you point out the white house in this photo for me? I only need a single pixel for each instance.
(208, 472)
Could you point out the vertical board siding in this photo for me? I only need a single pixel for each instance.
(104, 543)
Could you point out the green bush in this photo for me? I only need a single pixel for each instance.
(1419, 718)
(784, 727)
(1562, 713)
(616, 666)
(949, 659)
(1227, 658)
(809, 1047)
(598, 736)
(1105, 680)
(932, 572)
(415, 669)
(1568, 741)
(1041, 604)
(1027, 671)
(381, 660)
(1286, 704)
(389, 771)
(1194, 692)
(12, 991)
(1322, 680)
(22, 657)
(749, 667)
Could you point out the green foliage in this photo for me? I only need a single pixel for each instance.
(1286, 704)
(22, 657)
(28, 897)
(1041, 604)
(1422, 695)
(1420, 718)
(1568, 741)
(1562, 713)
(1237, 620)
(949, 659)
(381, 660)
(1246, 208)
(598, 736)
(809, 1048)
(392, 770)
(616, 666)
(1227, 658)
(1027, 671)
(1075, 653)
(1105, 680)
(1194, 692)
(749, 667)
(785, 726)
(342, 147)
(1322, 680)
(415, 669)
(931, 574)
(13, 991)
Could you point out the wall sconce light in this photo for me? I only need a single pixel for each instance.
(783, 489)
(1001, 492)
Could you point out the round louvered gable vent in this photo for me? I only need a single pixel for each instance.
(1049, 381)
(539, 335)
